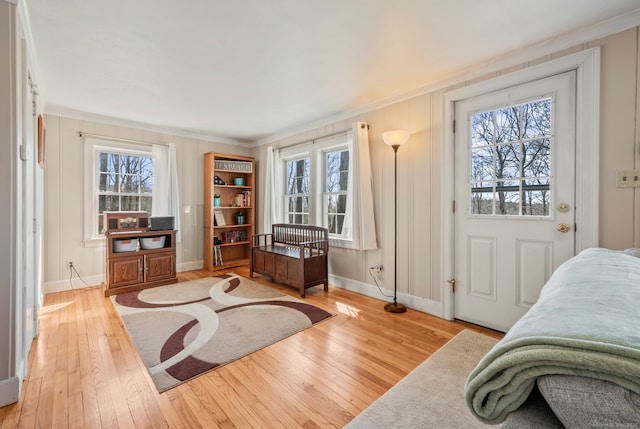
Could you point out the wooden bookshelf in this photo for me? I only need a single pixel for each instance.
(235, 184)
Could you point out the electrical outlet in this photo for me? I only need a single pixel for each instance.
(628, 179)
(68, 264)
(377, 268)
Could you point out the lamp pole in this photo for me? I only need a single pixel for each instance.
(394, 307)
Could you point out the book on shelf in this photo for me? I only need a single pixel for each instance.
(217, 255)
(243, 199)
(234, 236)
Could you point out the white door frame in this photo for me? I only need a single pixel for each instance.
(587, 66)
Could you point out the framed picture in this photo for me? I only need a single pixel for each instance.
(219, 218)
(40, 141)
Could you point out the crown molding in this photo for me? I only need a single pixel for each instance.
(513, 58)
(56, 110)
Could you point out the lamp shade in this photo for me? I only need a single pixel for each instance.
(395, 137)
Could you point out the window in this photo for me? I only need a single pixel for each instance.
(325, 183)
(119, 178)
(298, 191)
(125, 182)
(511, 160)
(317, 185)
(336, 179)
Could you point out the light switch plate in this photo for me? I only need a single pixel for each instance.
(628, 179)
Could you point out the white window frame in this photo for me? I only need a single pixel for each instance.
(325, 193)
(317, 208)
(285, 206)
(92, 147)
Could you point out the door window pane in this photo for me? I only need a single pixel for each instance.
(507, 162)
(535, 203)
(482, 163)
(507, 124)
(536, 119)
(537, 155)
(482, 202)
(512, 143)
(482, 129)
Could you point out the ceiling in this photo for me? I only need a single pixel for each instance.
(250, 70)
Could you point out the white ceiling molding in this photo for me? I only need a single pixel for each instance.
(257, 72)
(549, 46)
(119, 122)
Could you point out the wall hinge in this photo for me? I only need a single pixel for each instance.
(454, 126)
(453, 206)
(452, 282)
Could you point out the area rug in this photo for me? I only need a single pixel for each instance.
(432, 395)
(185, 329)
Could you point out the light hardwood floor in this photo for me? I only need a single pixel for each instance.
(84, 371)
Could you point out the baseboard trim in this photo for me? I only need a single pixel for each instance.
(414, 302)
(9, 391)
(190, 266)
(75, 283)
(95, 280)
(411, 301)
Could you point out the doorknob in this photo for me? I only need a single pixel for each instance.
(563, 227)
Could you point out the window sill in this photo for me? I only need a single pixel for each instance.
(340, 242)
(94, 242)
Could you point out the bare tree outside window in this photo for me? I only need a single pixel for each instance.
(298, 189)
(336, 188)
(316, 186)
(510, 160)
(125, 183)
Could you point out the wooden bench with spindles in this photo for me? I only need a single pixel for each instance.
(296, 255)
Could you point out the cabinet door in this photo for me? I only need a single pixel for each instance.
(159, 266)
(125, 271)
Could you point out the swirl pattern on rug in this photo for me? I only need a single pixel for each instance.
(185, 329)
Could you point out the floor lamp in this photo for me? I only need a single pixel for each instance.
(395, 139)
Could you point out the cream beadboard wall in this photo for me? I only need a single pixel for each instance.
(418, 202)
(419, 177)
(64, 199)
(419, 183)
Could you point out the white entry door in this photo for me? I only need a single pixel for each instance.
(514, 194)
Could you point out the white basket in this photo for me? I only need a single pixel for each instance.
(125, 245)
(149, 243)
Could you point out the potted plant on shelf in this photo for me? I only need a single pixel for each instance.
(240, 217)
(216, 200)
